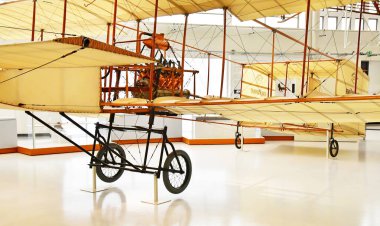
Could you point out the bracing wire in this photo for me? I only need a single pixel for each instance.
(343, 64)
(42, 65)
(27, 29)
(119, 138)
(155, 149)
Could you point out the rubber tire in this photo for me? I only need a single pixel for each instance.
(101, 154)
(188, 172)
(238, 141)
(331, 147)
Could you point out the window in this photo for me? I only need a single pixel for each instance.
(365, 66)
(332, 23)
(356, 28)
(372, 24)
(345, 24)
(321, 22)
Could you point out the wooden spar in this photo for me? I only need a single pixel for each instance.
(286, 78)
(376, 4)
(64, 18)
(172, 82)
(208, 73)
(114, 23)
(191, 47)
(241, 79)
(268, 76)
(108, 33)
(293, 39)
(126, 84)
(224, 48)
(183, 55)
(42, 35)
(294, 128)
(117, 83)
(294, 61)
(108, 42)
(110, 83)
(305, 47)
(308, 71)
(272, 66)
(113, 43)
(34, 19)
(257, 101)
(336, 78)
(151, 77)
(358, 47)
(138, 43)
(136, 40)
(195, 83)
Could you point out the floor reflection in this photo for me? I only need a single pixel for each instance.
(279, 183)
(304, 150)
(110, 208)
(362, 151)
(178, 213)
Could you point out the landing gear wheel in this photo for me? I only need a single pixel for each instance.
(238, 140)
(108, 174)
(333, 148)
(177, 182)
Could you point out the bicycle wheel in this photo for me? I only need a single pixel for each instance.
(108, 174)
(173, 181)
(334, 148)
(238, 140)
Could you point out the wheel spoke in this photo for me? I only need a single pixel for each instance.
(177, 179)
(111, 157)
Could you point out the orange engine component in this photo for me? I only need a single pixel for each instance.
(161, 43)
(167, 83)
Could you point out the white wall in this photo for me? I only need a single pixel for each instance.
(374, 77)
(24, 122)
(7, 114)
(8, 133)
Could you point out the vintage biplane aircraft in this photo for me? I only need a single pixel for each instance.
(76, 74)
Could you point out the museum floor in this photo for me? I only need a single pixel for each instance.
(279, 183)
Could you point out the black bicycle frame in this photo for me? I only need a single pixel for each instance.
(104, 143)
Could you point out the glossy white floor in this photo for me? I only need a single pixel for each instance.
(279, 183)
